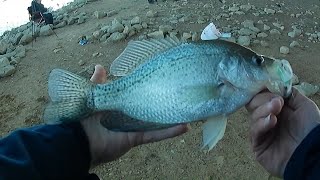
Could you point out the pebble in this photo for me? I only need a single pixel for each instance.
(135, 20)
(97, 34)
(81, 62)
(262, 35)
(278, 26)
(284, 50)
(137, 27)
(97, 54)
(116, 36)
(296, 32)
(294, 44)
(244, 40)
(266, 27)
(247, 23)
(269, 11)
(245, 7)
(234, 8)
(245, 32)
(156, 35)
(275, 32)
(116, 27)
(152, 14)
(99, 14)
(186, 36)
(112, 13)
(195, 37)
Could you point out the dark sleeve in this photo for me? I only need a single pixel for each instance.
(305, 161)
(45, 152)
(38, 7)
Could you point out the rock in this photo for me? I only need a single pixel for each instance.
(111, 13)
(97, 34)
(269, 11)
(61, 24)
(296, 32)
(151, 14)
(254, 29)
(15, 60)
(81, 19)
(3, 47)
(247, 23)
(284, 50)
(195, 37)
(104, 37)
(72, 20)
(116, 36)
(135, 20)
(97, 54)
(16, 39)
(294, 44)
(307, 89)
(4, 62)
(234, 8)
(262, 35)
(127, 29)
(20, 52)
(144, 25)
(275, 32)
(46, 30)
(116, 27)
(295, 80)
(26, 38)
(264, 43)
(137, 27)
(81, 62)
(245, 7)
(165, 28)
(266, 27)
(156, 35)
(278, 26)
(99, 14)
(105, 29)
(7, 71)
(245, 32)
(244, 40)
(186, 36)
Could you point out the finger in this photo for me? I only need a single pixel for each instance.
(260, 99)
(138, 138)
(274, 106)
(100, 75)
(260, 128)
(297, 100)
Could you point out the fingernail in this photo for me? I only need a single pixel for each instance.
(267, 120)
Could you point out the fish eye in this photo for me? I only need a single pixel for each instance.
(258, 60)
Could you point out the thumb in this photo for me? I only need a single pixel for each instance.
(100, 75)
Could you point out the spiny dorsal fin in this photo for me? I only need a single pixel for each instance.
(138, 52)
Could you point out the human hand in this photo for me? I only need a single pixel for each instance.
(278, 127)
(106, 145)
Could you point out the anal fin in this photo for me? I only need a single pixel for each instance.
(213, 131)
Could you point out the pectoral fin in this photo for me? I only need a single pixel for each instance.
(213, 131)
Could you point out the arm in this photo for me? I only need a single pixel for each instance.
(45, 152)
(305, 161)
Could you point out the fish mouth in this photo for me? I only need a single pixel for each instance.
(281, 76)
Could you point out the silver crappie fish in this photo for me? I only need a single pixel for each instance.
(166, 82)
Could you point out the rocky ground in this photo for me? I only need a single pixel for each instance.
(283, 29)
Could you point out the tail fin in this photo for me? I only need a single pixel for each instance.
(68, 93)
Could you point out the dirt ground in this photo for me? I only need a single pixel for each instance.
(23, 96)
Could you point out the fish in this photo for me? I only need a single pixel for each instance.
(164, 82)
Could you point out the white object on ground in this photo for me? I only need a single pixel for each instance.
(211, 32)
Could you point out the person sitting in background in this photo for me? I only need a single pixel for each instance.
(37, 11)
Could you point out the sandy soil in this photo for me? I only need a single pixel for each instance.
(23, 96)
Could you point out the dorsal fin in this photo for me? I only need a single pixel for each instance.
(138, 52)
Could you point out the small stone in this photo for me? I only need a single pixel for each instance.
(116, 27)
(275, 32)
(7, 71)
(260, 22)
(46, 30)
(245, 7)
(81, 62)
(112, 13)
(186, 36)
(156, 35)
(247, 23)
(127, 29)
(135, 20)
(234, 8)
(244, 40)
(97, 54)
(307, 89)
(81, 19)
(195, 37)
(151, 14)
(296, 32)
(26, 38)
(97, 34)
(284, 50)
(264, 43)
(99, 14)
(116, 36)
(137, 27)
(254, 29)
(262, 35)
(72, 20)
(3, 47)
(165, 28)
(104, 37)
(4, 62)
(144, 25)
(245, 32)
(269, 11)
(57, 50)
(266, 27)
(294, 44)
